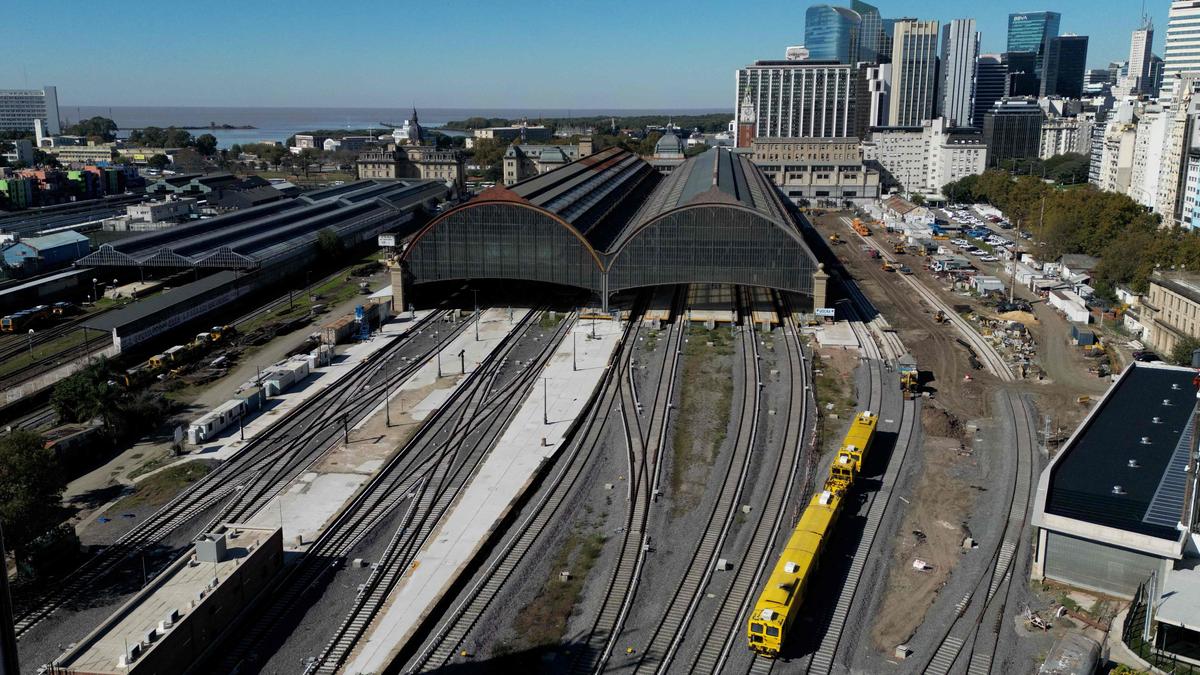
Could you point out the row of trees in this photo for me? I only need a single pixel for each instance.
(1125, 236)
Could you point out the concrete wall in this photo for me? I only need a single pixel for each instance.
(50, 378)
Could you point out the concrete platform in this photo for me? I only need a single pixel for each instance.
(306, 506)
(837, 334)
(711, 303)
(503, 477)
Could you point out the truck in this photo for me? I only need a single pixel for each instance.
(910, 379)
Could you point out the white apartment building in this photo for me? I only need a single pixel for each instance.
(1116, 164)
(1148, 155)
(1183, 43)
(1062, 135)
(923, 159)
(20, 107)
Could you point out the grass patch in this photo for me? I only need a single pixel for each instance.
(73, 341)
(331, 292)
(550, 320)
(651, 340)
(162, 486)
(543, 622)
(150, 465)
(830, 389)
(705, 395)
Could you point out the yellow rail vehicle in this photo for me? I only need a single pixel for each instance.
(779, 603)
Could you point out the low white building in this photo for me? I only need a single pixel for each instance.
(1070, 304)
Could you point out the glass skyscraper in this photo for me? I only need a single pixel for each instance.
(870, 31)
(1065, 63)
(831, 33)
(1032, 32)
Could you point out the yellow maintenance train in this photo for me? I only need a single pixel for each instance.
(779, 603)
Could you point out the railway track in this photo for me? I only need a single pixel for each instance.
(286, 447)
(969, 637)
(428, 473)
(644, 454)
(449, 636)
(677, 616)
(991, 359)
(724, 630)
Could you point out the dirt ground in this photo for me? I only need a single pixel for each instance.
(932, 532)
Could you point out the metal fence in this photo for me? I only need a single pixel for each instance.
(1137, 634)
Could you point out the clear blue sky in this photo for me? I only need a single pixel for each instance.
(455, 53)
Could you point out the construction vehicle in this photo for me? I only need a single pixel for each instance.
(910, 380)
(940, 317)
(887, 266)
(835, 239)
(860, 228)
(899, 249)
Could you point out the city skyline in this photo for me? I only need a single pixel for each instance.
(336, 62)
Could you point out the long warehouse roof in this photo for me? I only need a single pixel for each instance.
(164, 301)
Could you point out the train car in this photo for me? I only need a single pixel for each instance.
(780, 600)
(861, 228)
(779, 604)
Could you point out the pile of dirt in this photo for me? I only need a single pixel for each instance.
(939, 423)
(1020, 317)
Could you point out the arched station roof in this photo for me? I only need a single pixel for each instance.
(715, 219)
(608, 222)
(549, 228)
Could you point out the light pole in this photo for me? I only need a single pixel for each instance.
(387, 398)
(95, 293)
(476, 292)
(545, 402)
(574, 351)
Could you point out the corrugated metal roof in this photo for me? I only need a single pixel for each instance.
(48, 241)
(165, 301)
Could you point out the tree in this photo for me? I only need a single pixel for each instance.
(97, 128)
(328, 243)
(89, 394)
(159, 162)
(31, 487)
(43, 158)
(235, 150)
(917, 199)
(206, 144)
(1181, 355)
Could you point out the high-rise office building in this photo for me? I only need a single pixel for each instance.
(991, 85)
(1065, 62)
(1156, 74)
(794, 99)
(1023, 79)
(1013, 130)
(914, 72)
(885, 39)
(870, 31)
(960, 51)
(20, 107)
(1140, 54)
(1183, 43)
(831, 33)
(1032, 32)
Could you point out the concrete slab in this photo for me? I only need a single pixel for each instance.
(504, 475)
(838, 334)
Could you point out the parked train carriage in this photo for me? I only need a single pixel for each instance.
(779, 604)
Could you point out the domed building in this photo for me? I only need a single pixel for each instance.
(668, 147)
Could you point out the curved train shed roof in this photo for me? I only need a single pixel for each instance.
(608, 222)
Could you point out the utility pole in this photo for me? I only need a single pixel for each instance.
(476, 292)
(545, 402)
(346, 428)
(462, 358)
(574, 351)
(1012, 280)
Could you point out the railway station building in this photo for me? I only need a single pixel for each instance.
(1115, 509)
(609, 222)
(167, 626)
